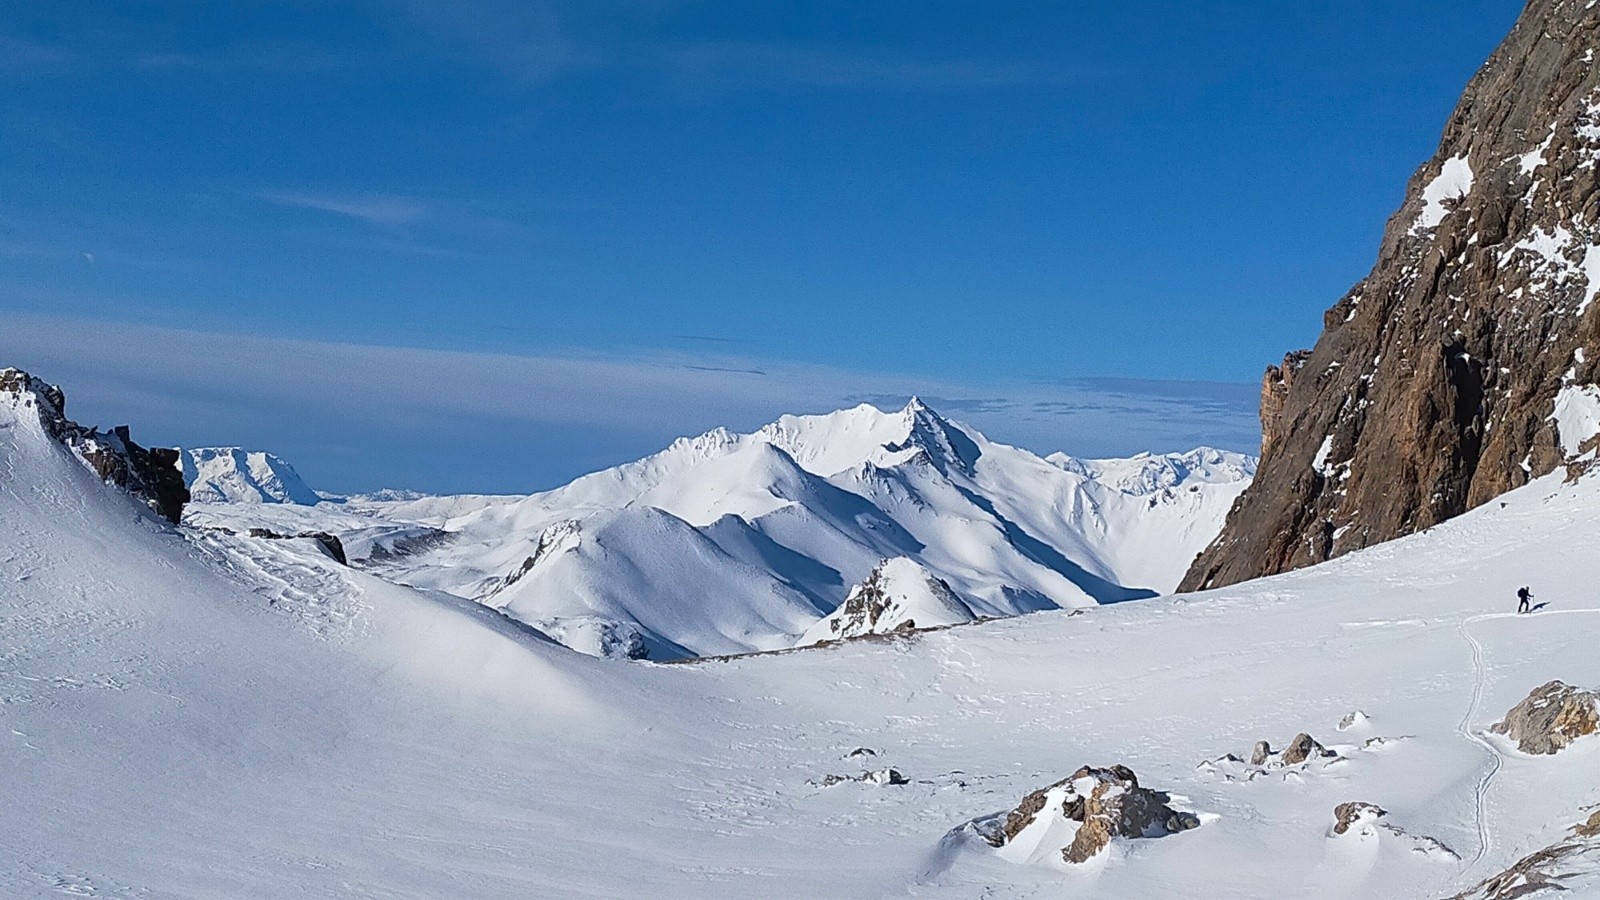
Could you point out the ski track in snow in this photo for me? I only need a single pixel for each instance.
(1496, 758)
(1481, 792)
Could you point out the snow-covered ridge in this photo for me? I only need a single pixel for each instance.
(728, 543)
(1149, 473)
(233, 475)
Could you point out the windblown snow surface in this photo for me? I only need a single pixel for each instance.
(729, 543)
(200, 715)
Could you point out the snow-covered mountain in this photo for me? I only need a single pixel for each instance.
(729, 543)
(233, 475)
(229, 716)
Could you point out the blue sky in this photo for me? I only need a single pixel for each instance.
(994, 200)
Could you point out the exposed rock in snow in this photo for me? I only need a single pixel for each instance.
(877, 777)
(1570, 866)
(1075, 819)
(148, 474)
(1550, 718)
(899, 595)
(1356, 821)
(1354, 719)
(1302, 748)
(1354, 814)
(329, 543)
(1301, 754)
(232, 475)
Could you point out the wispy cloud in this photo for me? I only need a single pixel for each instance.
(284, 60)
(384, 210)
(536, 42)
(21, 54)
(753, 64)
(356, 416)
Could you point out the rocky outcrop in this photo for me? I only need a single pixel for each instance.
(1361, 822)
(877, 777)
(1101, 804)
(1466, 363)
(898, 596)
(330, 543)
(1275, 387)
(151, 475)
(1349, 815)
(1550, 718)
(1302, 755)
(1569, 866)
(1302, 748)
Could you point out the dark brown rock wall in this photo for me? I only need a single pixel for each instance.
(1432, 387)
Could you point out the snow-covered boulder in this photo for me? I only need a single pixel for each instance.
(899, 595)
(1550, 718)
(1077, 818)
(232, 475)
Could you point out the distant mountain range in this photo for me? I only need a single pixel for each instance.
(730, 543)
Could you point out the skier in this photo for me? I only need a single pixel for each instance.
(1523, 598)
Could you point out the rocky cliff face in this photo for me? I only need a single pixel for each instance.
(1466, 363)
(152, 475)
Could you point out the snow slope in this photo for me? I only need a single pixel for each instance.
(222, 717)
(729, 543)
(232, 475)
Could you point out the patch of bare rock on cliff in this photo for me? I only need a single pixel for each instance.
(152, 475)
(1467, 362)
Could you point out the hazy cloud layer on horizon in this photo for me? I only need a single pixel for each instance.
(355, 417)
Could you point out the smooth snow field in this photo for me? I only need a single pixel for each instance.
(205, 716)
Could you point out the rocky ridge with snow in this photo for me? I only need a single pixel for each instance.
(1468, 362)
(147, 474)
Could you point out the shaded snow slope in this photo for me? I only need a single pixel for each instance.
(232, 475)
(727, 543)
(221, 717)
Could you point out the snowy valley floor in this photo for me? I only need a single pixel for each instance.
(166, 731)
